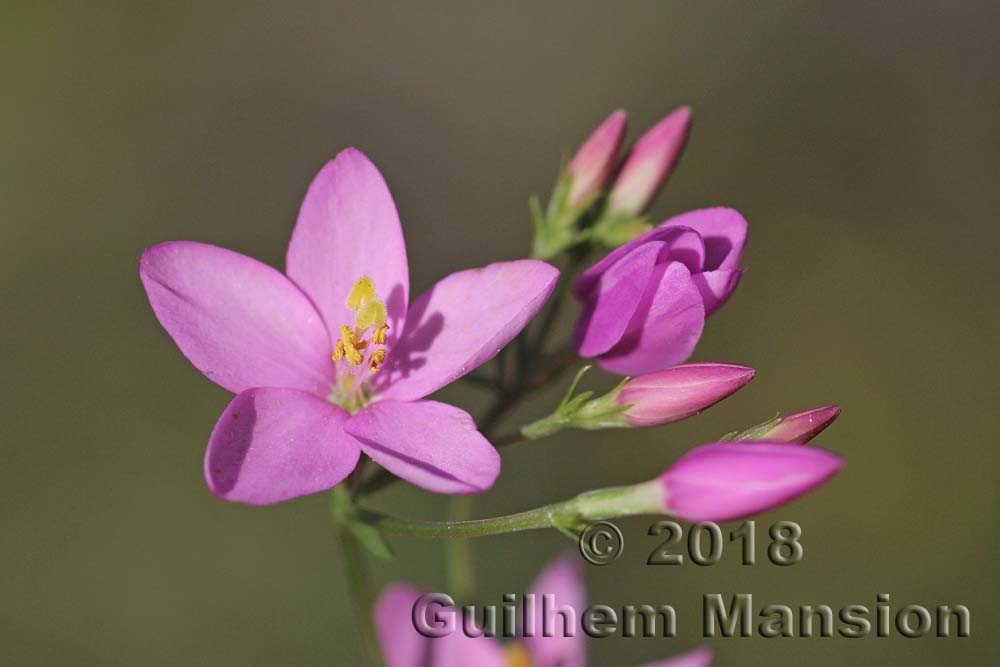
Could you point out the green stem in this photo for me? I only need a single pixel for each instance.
(459, 553)
(568, 515)
(541, 517)
(362, 596)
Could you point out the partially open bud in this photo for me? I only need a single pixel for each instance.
(652, 159)
(736, 479)
(592, 165)
(679, 392)
(797, 427)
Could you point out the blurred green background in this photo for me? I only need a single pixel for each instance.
(860, 140)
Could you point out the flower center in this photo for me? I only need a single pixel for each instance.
(360, 351)
(517, 655)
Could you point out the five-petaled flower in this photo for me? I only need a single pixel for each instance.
(645, 304)
(555, 640)
(328, 361)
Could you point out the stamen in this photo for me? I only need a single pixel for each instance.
(362, 291)
(378, 358)
(338, 350)
(371, 314)
(379, 335)
(350, 341)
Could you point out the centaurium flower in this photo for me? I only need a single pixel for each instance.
(646, 302)
(561, 581)
(329, 361)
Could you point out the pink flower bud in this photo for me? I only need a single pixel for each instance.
(679, 392)
(652, 159)
(799, 426)
(593, 162)
(736, 479)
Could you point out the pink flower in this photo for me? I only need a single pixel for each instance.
(732, 480)
(594, 161)
(328, 361)
(561, 582)
(797, 427)
(654, 156)
(645, 303)
(680, 392)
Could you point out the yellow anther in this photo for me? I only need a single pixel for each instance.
(363, 290)
(517, 655)
(370, 314)
(379, 335)
(351, 345)
(378, 358)
(338, 351)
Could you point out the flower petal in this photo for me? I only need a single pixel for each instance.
(274, 444)
(665, 328)
(716, 287)
(348, 228)
(680, 245)
(614, 299)
(700, 657)
(724, 231)
(562, 581)
(462, 322)
(240, 322)
(403, 646)
(433, 445)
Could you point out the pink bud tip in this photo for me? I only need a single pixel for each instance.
(591, 166)
(802, 426)
(731, 480)
(652, 159)
(679, 392)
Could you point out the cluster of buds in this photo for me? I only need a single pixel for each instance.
(605, 194)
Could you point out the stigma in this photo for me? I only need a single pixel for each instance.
(364, 341)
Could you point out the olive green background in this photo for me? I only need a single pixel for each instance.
(860, 140)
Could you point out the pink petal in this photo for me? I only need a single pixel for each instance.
(240, 322)
(614, 300)
(680, 245)
(700, 657)
(731, 480)
(665, 328)
(403, 646)
(563, 581)
(274, 444)
(433, 445)
(724, 231)
(716, 287)
(348, 228)
(462, 322)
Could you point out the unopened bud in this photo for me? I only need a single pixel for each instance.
(652, 159)
(592, 165)
(679, 392)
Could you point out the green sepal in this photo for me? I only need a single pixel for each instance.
(345, 512)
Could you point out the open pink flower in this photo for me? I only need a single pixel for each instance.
(645, 304)
(328, 361)
(561, 582)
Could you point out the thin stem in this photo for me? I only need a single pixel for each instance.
(362, 596)
(541, 517)
(459, 553)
